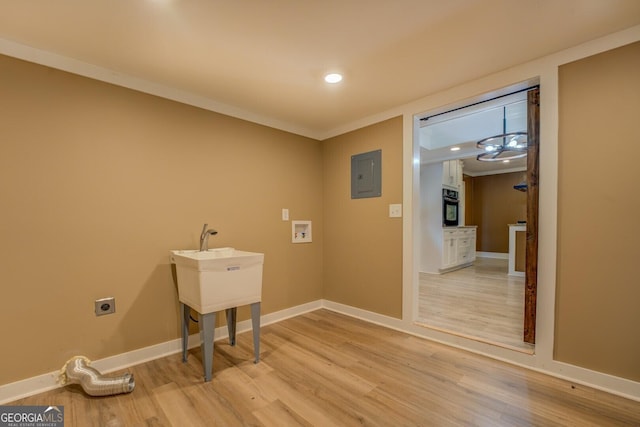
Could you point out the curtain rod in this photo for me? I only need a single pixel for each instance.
(480, 102)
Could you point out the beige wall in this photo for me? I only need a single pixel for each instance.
(494, 205)
(362, 258)
(98, 183)
(598, 291)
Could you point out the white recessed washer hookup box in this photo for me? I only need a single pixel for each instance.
(301, 231)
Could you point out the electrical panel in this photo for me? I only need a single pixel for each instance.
(366, 175)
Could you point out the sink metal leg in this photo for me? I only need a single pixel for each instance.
(207, 329)
(185, 313)
(231, 324)
(255, 325)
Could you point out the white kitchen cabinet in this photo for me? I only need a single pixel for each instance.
(463, 250)
(452, 174)
(449, 256)
(439, 245)
(458, 247)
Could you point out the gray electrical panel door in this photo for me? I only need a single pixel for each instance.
(366, 175)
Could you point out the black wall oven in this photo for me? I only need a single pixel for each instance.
(450, 207)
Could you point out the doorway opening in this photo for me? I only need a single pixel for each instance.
(477, 278)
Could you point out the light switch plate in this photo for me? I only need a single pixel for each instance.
(285, 214)
(395, 211)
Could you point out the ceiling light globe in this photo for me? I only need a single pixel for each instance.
(333, 78)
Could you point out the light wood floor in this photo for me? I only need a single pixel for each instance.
(327, 369)
(480, 302)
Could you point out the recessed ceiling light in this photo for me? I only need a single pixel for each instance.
(333, 78)
(505, 161)
(455, 148)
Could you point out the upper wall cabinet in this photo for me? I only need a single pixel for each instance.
(452, 174)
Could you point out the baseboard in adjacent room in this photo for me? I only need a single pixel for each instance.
(496, 255)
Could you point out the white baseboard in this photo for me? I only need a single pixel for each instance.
(495, 255)
(608, 383)
(41, 383)
(368, 316)
(45, 382)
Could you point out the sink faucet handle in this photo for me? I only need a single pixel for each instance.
(204, 237)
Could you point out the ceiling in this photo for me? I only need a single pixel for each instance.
(264, 60)
(454, 134)
(473, 167)
(468, 153)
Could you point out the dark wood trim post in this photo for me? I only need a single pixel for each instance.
(533, 168)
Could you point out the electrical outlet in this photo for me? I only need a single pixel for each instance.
(395, 211)
(105, 306)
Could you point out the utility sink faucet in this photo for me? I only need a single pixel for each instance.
(204, 237)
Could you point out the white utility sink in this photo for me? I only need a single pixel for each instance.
(217, 279)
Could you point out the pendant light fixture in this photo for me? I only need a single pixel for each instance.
(506, 146)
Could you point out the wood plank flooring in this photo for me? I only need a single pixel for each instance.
(480, 302)
(327, 369)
